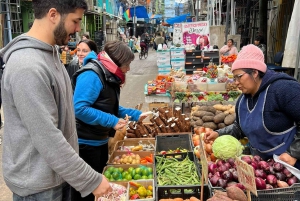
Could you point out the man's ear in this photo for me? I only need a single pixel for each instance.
(54, 16)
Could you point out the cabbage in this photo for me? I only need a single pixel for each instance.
(226, 146)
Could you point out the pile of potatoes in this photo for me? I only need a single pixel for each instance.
(214, 117)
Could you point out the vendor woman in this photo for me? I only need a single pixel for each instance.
(268, 111)
(228, 53)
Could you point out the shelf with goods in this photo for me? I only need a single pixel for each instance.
(163, 61)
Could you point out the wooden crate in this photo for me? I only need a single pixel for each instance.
(142, 154)
(133, 142)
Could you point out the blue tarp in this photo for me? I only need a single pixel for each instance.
(177, 19)
(140, 12)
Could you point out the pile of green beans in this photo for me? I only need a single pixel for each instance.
(170, 171)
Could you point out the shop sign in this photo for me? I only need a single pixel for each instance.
(246, 175)
(196, 33)
(177, 34)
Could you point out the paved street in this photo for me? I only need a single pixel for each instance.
(131, 94)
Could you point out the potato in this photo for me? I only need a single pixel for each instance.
(218, 112)
(193, 123)
(211, 125)
(197, 114)
(236, 193)
(207, 118)
(203, 108)
(211, 109)
(219, 118)
(195, 118)
(229, 119)
(221, 125)
(199, 122)
(204, 113)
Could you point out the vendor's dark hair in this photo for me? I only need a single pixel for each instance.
(119, 52)
(42, 7)
(92, 45)
(250, 71)
(259, 38)
(231, 40)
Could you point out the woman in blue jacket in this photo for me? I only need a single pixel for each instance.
(96, 101)
(268, 111)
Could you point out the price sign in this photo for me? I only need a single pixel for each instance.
(246, 175)
(203, 161)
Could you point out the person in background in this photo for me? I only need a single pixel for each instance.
(66, 56)
(40, 151)
(228, 50)
(267, 112)
(84, 47)
(259, 42)
(158, 40)
(85, 37)
(96, 101)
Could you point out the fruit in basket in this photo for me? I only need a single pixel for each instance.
(127, 159)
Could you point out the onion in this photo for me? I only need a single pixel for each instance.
(218, 174)
(232, 169)
(260, 173)
(282, 184)
(212, 168)
(247, 159)
(254, 165)
(227, 165)
(241, 186)
(235, 175)
(271, 179)
(292, 180)
(271, 161)
(220, 162)
(257, 158)
(278, 167)
(280, 176)
(287, 172)
(210, 175)
(260, 183)
(214, 180)
(269, 186)
(271, 170)
(263, 165)
(222, 168)
(231, 161)
(222, 183)
(227, 175)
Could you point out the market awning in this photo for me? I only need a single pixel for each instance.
(177, 19)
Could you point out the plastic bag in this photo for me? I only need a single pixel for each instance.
(118, 193)
(292, 169)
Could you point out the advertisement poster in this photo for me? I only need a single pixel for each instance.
(177, 33)
(196, 33)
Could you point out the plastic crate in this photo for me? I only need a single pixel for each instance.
(182, 56)
(163, 62)
(177, 62)
(168, 192)
(164, 72)
(177, 51)
(172, 142)
(164, 68)
(291, 193)
(145, 183)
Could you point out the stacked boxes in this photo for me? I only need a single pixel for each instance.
(177, 58)
(163, 62)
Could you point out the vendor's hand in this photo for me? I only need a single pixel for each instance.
(103, 189)
(210, 136)
(143, 116)
(121, 124)
(285, 157)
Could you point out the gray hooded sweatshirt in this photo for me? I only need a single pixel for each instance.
(40, 148)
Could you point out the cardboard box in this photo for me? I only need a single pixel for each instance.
(135, 142)
(145, 183)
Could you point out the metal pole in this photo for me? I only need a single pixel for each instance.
(8, 21)
(104, 22)
(227, 20)
(134, 20)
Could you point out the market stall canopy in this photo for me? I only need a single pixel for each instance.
(178, 19)
(156, 16)
(140, 12)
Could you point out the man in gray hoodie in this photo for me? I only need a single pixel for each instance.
(40, 148)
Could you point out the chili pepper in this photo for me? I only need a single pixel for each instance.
(134, 197)
(149, 159)
(134, 184)
(144, 161)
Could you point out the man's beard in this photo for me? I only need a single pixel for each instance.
(60, 33)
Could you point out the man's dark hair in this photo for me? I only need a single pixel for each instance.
(41, 7)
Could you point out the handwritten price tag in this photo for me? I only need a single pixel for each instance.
(246, 175)
(203, 161)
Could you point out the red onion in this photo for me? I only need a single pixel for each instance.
(227, 175)
(247, 159)
(227, 165)
(222, 168)
(222, 183)
(231, 161)
(260, 183)
(260, 173)
(257, 158)
(269, 186)
(210, 175)
(270, 162)
(263, 165)
(220, 162)
(214, 180)
(212, 168)
(271, 170)
(254, 165)
(271, 179)
(287, 172)
(241, 186)
(278, 167)
(292, 180)
(235, 176)
(280, 176)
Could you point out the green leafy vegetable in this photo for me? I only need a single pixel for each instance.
(226, 146)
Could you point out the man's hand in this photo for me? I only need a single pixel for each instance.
(121, 124)
(103, 189)
(285, 157)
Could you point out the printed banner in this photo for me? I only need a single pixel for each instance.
(196, 33)
(177, 33)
